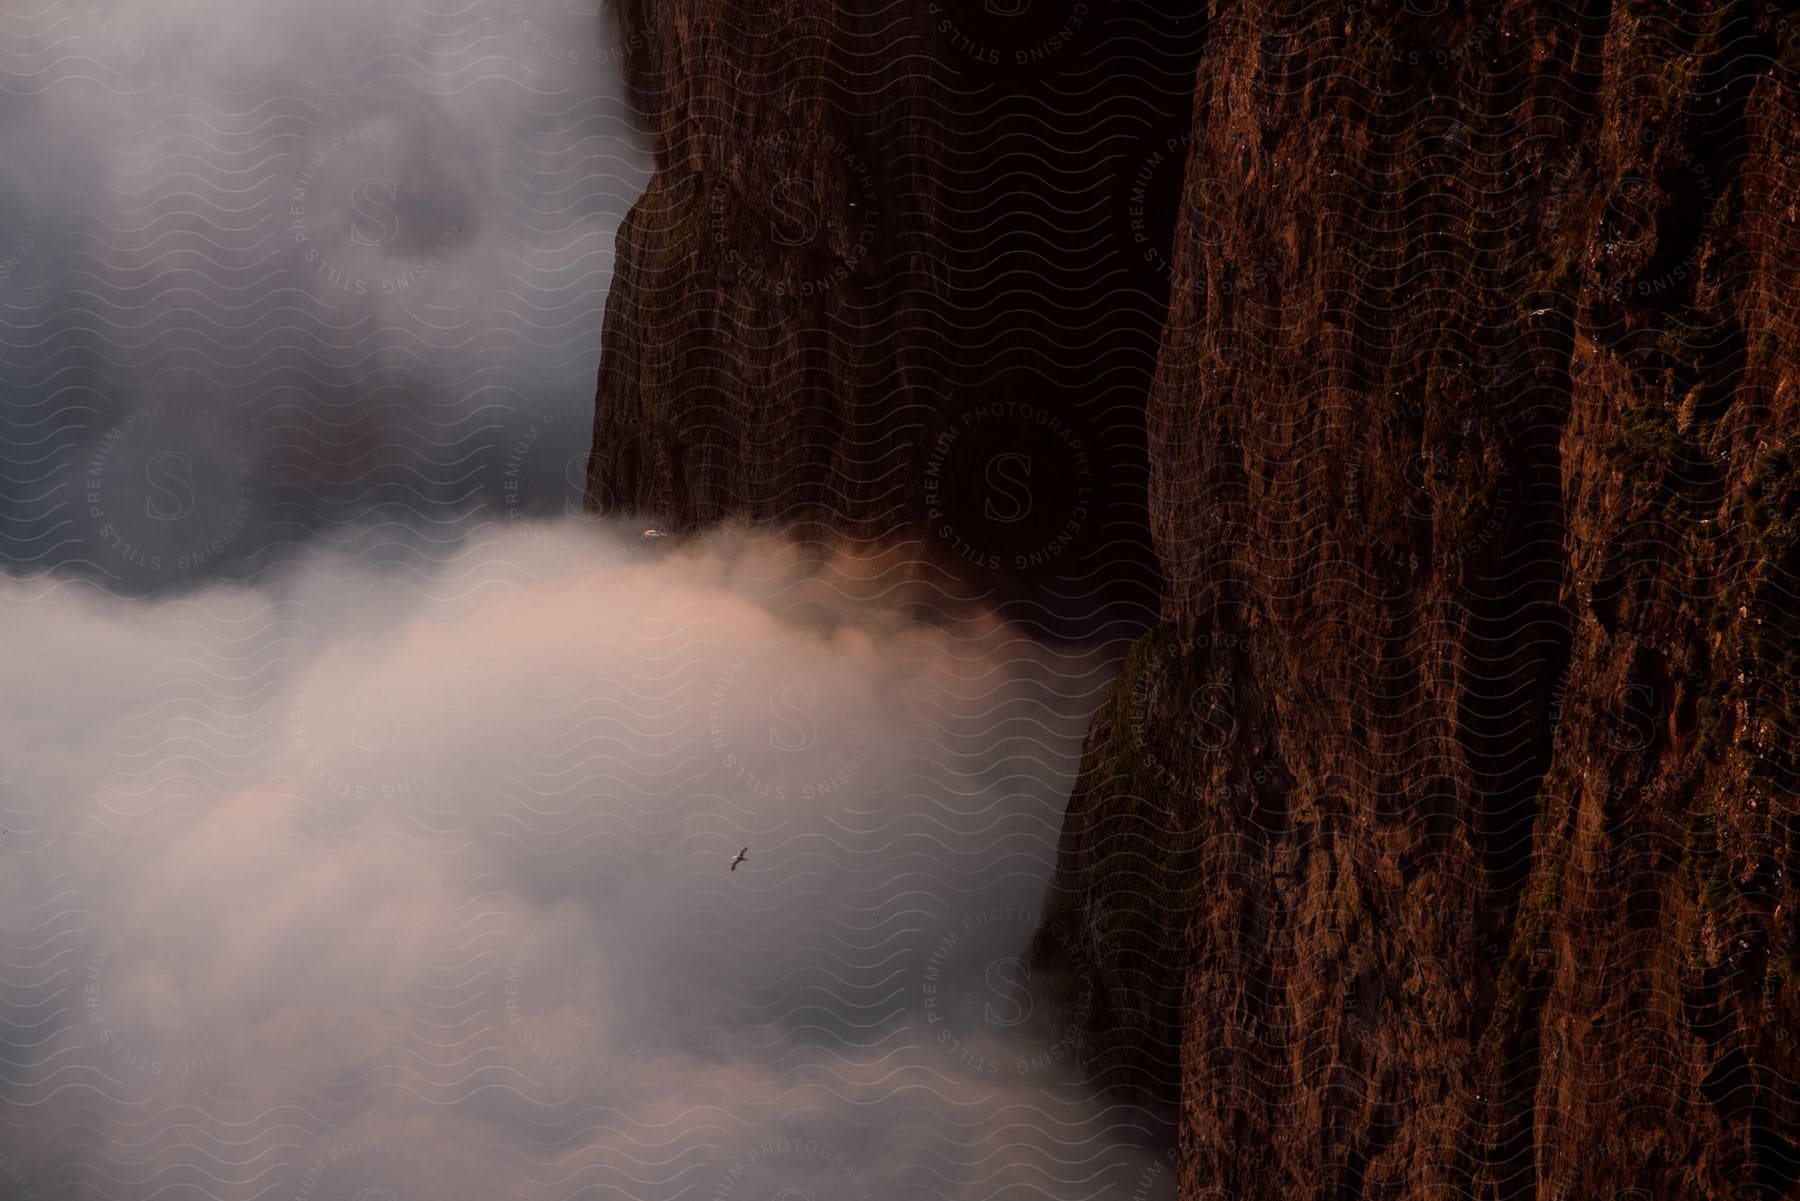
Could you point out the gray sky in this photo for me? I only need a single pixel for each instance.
(270, 265)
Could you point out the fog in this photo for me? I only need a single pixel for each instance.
(374, 882)
(267, 266)
(366, 819)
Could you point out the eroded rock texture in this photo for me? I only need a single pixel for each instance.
(772, 334)
(1463, 772)
(900, 273)
(1443, 833)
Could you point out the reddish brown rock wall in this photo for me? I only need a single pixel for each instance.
(1443, 835)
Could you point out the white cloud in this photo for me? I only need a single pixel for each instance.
(374, 878)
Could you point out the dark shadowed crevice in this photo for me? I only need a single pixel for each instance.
(1063, 199)
(1519, 634)
(954, 350)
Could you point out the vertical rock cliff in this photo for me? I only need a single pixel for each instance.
(900, 272)
(1462, 772)
(1439, 839)
(775, 325)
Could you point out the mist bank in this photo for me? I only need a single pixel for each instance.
(273, 266)
(387, 874)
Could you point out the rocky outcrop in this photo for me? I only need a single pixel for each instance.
(1439, 840)
(1463, 771)
(777, 297)
(900, 272)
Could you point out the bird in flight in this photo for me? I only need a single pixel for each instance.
(739, 858)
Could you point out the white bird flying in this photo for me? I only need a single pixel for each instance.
(739, 858)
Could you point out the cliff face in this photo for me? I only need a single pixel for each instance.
(775, 304)
(900, 272)
(1464, 766)
(1446, 823)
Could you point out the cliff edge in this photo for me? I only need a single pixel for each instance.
(1438, 838)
